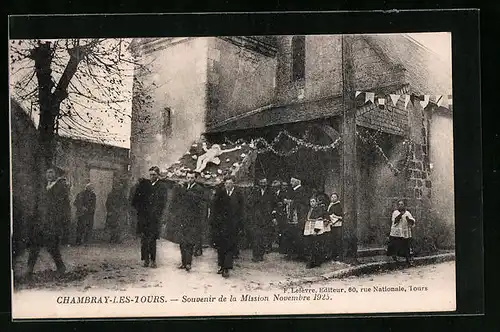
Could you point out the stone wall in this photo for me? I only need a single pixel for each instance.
(393, 119)
(418, 172)
(323, 69)
(25, 174)
(239, 80)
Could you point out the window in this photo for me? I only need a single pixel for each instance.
(167, 121)
(298, 57)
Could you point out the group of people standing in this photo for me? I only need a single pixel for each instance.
(280, 214)
(305, 224)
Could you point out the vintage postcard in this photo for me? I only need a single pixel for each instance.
(232, 175)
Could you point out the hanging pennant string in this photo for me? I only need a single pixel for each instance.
(423, 99)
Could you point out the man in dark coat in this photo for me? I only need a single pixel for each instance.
(54, 211)
(226, 222)
(279, 213)
(152, 203)
(115, 209)
(191, 197)
(85, 209)
(298, 204)
(262, 207)
(140, 202)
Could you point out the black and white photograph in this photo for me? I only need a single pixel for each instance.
(232, 175)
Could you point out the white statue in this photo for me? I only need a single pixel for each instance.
(211, 156)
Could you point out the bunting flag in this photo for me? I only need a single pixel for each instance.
(407, 100)
(414, 97)
(381, 103)
(425, 102)
(394, 99)
(370, 96)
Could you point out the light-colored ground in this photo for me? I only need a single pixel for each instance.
(435, 276)
(119, 267)
(114, 271)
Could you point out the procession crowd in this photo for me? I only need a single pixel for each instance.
(305, 224)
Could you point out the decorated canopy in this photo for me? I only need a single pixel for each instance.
(236, 160)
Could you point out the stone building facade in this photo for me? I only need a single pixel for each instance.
(230, 87)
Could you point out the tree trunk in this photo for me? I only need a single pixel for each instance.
(42, 55)
(50, 102)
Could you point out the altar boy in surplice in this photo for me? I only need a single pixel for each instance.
(191, 197)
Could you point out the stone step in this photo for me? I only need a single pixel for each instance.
(369, 252)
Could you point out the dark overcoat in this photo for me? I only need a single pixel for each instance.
(300, 204)
(157, 203)
(279, 209)
(54, 213)
(263, 206)
(226, 219)
(190, 211)
(85, 203)
(140, 202)
(115, 207)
